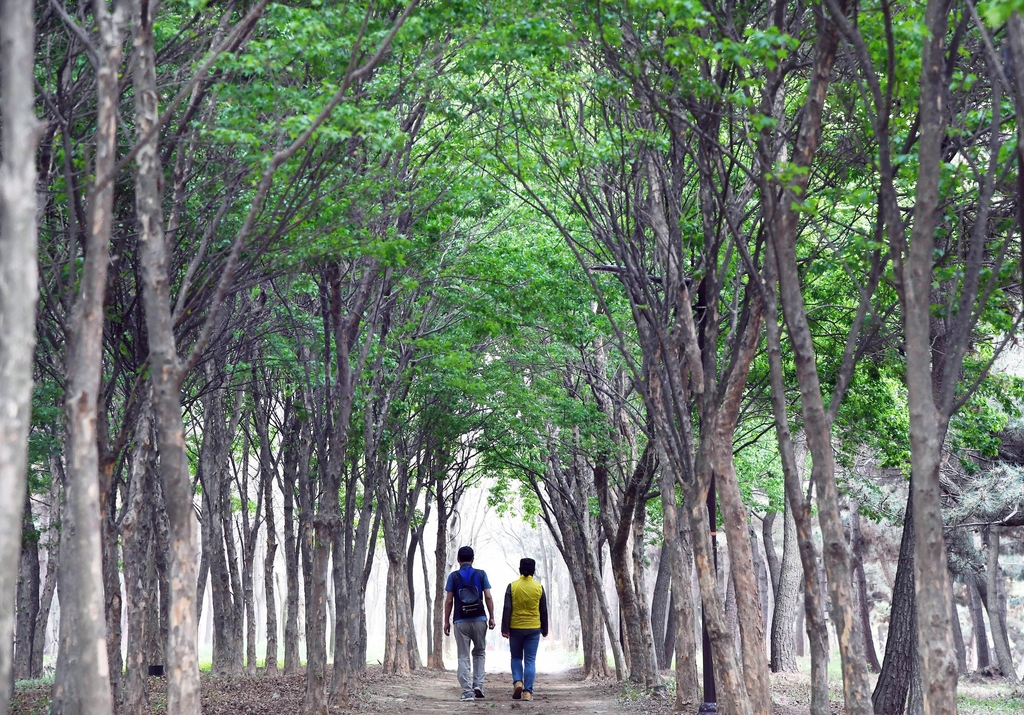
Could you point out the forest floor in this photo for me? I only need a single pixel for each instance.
(433, 693)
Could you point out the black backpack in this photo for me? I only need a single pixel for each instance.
(470, 603)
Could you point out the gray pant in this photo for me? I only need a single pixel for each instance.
(475, 632)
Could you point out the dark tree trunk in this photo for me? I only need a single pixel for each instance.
(894, 681)
(660, 608)
(28, 595)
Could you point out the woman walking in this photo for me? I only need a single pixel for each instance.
(523, 621)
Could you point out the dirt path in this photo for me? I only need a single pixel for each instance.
(554, 694)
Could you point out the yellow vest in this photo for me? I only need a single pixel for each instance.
(526, 595)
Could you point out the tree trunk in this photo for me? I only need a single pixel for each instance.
(136, 531)
(640, 588)
(997, 605)
(927, 425)
(678, 551)
(660, 606)
(18, 295)
(268, 574)
(958, 636)
(316, 622)
(863, 604)
(817, 423)
(978, 623)
(787, 598)
(28, 594)
(296, 460)
(770, 552)
(111, 577)
(894, 681)
(760, 572)
(182, 666)
(82, 589)
(813, 611)
(213, 455)
(52, 570)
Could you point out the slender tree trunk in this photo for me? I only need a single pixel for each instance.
(787, 598)
(316, 622)
(111, 580)
(435, 656)
(136, 530)
(82, 589)
(268, 575)
(640, 588)
(927, 426)
(182, 654)
(978, 623)
(296, 456)
(28, 594)
(997, 605)
(958, 636)
(817, 424)
(660, 606)
(18, 295)
(678, 553)
(52, 569)
(863, 604)
(901, 644)
(814, 613)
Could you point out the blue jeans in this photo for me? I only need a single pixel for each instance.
(523, 642)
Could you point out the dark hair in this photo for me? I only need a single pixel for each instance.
(527, 567)
(465, 554)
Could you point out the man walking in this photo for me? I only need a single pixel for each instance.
(524, 619)
(467, 590)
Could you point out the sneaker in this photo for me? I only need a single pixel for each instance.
(527, 695)
(478, 693)
(467, 696)
(517, 690)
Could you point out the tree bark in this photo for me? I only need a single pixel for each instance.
(894, 680)
(296, 444)
(927, 425)
(997, 605)
(814, 613)
(863, 604)
(136, 530)
(52, 570)
(182, 666)
(978, 623)
(268, 468)
(18, 295)
(28, 594)
(660, 606)
(213, 456)
(81, 588)
(787, 597)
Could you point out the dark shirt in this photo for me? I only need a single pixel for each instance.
(468, 576)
